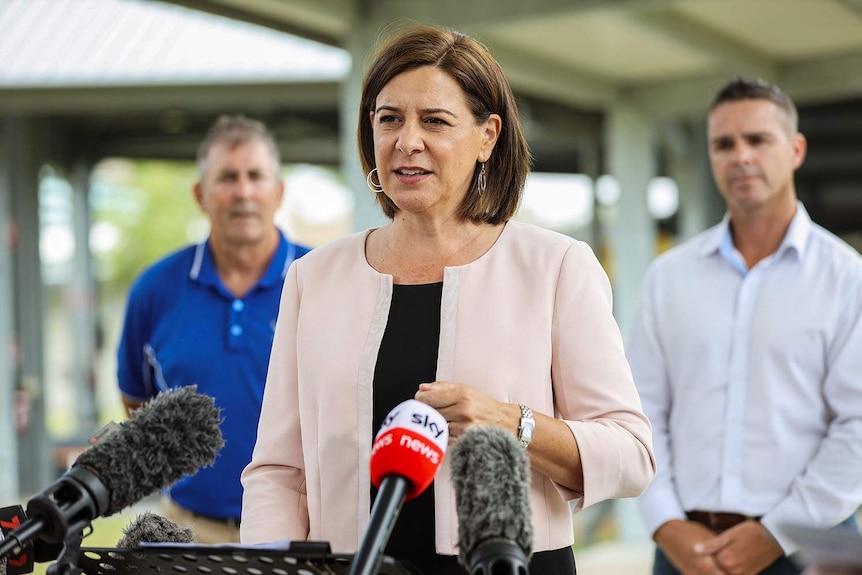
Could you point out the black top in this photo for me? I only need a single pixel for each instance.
(408, 357)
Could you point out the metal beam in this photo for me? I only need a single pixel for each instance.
(731, 56)
(680, 98)
(824, 79)
(475, 14)
(855, 5)
(213, 97)
(532, 75)
(325, 21)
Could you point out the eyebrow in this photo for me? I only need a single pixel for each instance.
(425, 111)
(765, 134)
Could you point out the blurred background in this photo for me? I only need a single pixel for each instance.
(103, 103)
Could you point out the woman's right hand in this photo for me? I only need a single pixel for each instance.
(464, 406)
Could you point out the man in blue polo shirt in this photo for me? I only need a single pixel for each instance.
(205, 316)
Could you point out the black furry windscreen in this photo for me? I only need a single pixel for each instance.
(151, 528)
(171, 436)
(491, 477)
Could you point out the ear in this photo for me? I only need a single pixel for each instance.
(800, 148)
(199, 196)
(490, 132)
(280, 191)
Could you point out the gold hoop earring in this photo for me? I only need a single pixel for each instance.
(376, 188)
(482, 179)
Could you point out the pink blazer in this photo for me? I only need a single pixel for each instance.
(529, 322)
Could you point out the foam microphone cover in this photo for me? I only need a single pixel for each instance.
(491, 478)
(151, 528)
(411, 443)
(171, 436)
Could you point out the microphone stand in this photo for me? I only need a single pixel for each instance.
(384, 512)
(67, 563)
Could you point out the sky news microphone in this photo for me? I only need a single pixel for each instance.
(151, 528)
(491, 477)
(172, 435)
(406, 454)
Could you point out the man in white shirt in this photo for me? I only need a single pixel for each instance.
(747, 351)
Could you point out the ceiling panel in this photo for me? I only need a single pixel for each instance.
(790, 29)
(592, 53)
(607, 43)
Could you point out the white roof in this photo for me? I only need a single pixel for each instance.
(54, 43)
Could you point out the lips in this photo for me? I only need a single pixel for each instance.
(411, 171)
(243, 209)
(243, 214)
(743, 179)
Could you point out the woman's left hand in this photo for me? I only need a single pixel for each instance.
(464, 406)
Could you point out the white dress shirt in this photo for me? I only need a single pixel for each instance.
(752, 379)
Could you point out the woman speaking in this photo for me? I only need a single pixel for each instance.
(489, 321)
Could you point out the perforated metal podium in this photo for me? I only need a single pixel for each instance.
(305, 558)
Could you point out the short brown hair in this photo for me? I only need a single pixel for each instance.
(236, 131)
(487, 92)
(757, 89)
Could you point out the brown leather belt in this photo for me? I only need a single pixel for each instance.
(719, 521)
(231, 522)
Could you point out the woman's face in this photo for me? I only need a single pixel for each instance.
(427, 142)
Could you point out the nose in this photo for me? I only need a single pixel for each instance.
(743, 153)
(410, 139)
(244, 187)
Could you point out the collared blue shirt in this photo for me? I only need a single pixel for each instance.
(183, 327)
(751, 379)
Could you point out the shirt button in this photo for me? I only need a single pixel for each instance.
(238, 305)
(236, 330)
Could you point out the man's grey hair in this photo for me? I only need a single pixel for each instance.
(235, 131)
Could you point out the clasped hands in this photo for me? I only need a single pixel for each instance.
(745, 549)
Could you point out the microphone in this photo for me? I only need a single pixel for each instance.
(151, 528)
(406, 454)
(22, 562)
(491, 477)
(172, 435)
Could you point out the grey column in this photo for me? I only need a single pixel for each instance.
(83, 303)
(26, 156)
(630, 139)
(8, 435)
(700, 204)
(359, 44)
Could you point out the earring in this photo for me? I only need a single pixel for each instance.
(369, 181)
(482, 180)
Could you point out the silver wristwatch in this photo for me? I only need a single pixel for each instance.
(526, 427)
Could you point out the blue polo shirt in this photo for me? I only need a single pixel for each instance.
(183, 327)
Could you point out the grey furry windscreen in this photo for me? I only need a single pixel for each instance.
(491, 477)
(172, 435)
(151, 528)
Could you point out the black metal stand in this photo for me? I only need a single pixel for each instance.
(301, 558)
(67, 563)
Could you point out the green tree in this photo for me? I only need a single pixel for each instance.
(142, 210)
